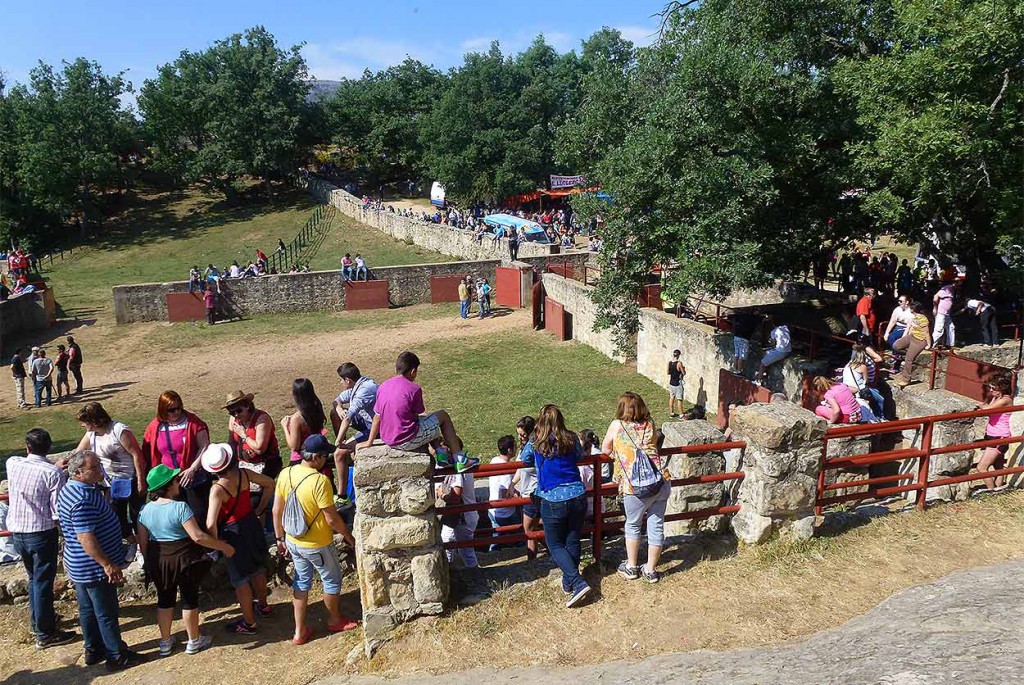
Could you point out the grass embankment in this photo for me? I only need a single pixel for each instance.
(163, 234)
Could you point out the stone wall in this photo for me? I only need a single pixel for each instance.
(25, 314)
(441, 238)
(704, 353)
(781, 464)
(576, 298)
(914, 401)
(402, 569)
(691, 498)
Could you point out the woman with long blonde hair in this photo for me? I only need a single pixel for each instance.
(555, 452)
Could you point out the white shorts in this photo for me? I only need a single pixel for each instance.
(676, 391)
(776, 354)
(740, 347)
(429, 431)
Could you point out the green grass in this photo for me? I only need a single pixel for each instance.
(377, 248)
(488, 383)
(163, 234)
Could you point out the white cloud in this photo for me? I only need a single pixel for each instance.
(327, 64)
(640, 36)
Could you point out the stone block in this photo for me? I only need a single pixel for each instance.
(779, 426)
(690, 498)
(398, 532)
(378, 464)
(430, 578)
(411, 496)
(915, 401)
(750, 527)
(780, 499)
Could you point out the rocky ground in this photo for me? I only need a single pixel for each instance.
(962, 629)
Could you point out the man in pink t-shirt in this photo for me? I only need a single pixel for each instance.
(400, 423)
(943, 307)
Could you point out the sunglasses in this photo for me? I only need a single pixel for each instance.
(235, 411)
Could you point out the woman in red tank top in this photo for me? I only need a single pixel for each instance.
(232, 518)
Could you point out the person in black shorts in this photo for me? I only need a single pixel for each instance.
(676, 370)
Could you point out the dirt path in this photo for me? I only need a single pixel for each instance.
(118, 357)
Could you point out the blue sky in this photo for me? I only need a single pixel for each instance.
(342, 37)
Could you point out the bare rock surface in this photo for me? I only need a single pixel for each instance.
(963, 629)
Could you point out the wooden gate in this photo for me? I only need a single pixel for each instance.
(733, 389)
(508, 285)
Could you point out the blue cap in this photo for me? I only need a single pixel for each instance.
(315, 445)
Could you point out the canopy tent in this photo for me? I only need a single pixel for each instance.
(518, 200)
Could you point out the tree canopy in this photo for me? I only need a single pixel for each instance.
(237, 108)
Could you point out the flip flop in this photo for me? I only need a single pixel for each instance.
(346, 624)
(304, 638)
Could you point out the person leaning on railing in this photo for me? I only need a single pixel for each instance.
(631, 441)
(998, 393)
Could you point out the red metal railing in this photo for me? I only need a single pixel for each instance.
(602, 520)
(882, 486)
(966, 376)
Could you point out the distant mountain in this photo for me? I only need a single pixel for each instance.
(321, 90)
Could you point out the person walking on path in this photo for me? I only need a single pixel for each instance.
(676, 370)
(19, 374)
(75, 360)
(305, 520)
(61, 364)
(93, 557)
(631, 439)
(42, 374)
(464, 298)
(555, 451)
(33, 486)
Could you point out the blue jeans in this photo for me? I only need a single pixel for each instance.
(38, 553)
(897, 333)
(563, 522)
(361, 271)
(97, 615)
(498, 521)
(323, 560)
(40, 387)
(464, 311)
(346, 273)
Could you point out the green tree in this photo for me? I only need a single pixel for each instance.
(376, 120)
(941, 111)
(237, 108)
(491, 133)
(69, 133)
(731, 167)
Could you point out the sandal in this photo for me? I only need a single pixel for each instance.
(346, 624)
(307, 633)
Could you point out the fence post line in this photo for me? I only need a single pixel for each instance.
(598, 511)
(934, 368)
(924, 464)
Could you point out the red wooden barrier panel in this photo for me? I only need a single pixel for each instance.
(185, 307)
(445, 288)
(508, 286)
(733, 389)
(366, 295)
(554, 318)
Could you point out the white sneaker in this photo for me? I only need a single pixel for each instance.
(199, 644)
(166, 646)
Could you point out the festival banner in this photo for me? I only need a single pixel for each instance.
(566, 181)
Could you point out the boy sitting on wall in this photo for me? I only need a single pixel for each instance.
(400, 423)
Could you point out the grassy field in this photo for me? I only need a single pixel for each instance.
(163, 234)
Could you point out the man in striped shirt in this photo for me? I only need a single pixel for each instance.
(33, 484)
(93, 556)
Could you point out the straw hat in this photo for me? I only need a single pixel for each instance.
(238, 397)
(216, 457)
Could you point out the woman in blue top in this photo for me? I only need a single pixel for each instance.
(555, 451)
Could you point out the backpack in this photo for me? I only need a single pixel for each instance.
(645, 479)
(295, 523)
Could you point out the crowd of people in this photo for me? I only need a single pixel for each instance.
(176, 502)
(47, 373)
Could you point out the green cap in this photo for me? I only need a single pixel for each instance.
(160, 475)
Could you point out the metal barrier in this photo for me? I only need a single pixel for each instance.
(923, 454)
(281, 259)
(966, 376)
(604, 521)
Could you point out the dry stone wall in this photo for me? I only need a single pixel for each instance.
(402, 570)
(441, 238)
(781, 464)
(576, 298)
(691, 498)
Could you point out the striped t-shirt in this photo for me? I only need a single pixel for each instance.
(82, 508)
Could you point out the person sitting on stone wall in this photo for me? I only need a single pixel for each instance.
(782, 347)
(838, 404)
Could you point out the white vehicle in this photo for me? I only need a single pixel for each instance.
(437, 194)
